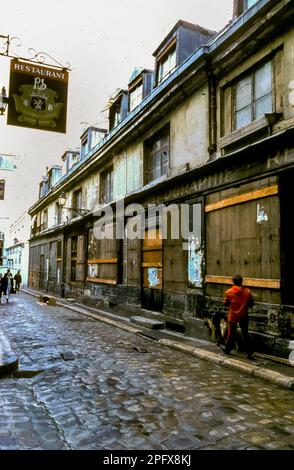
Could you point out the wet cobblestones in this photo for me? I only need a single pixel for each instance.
(107, 395)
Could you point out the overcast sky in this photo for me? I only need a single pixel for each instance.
(103, 40)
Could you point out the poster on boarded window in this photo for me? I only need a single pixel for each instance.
(37, 96)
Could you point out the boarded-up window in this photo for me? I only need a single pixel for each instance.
(80, 260)
(68, 260)
(152, 259)
(102, 259)
(242, 237)
(175, 258)
(132, 260)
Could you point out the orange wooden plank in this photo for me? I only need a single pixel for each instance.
(103, 261)
(101, 281)
(249, 282)
(265, 192)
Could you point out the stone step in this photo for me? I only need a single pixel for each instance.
(148, 323)
(152, 315)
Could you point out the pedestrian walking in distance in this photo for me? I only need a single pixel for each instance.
(7, 284)
(18, 281)
(238, 299)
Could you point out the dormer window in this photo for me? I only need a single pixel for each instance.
(118, 108)
(85, 147)
(182, 41)
(140, 85)
(167, 63)
(136, 96)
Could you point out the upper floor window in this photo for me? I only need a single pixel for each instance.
(136, 96)
(253, 96)
(45, 219)
(58, 214)
(77, 202)
(157, 157)
(106, 186)
(167, 64)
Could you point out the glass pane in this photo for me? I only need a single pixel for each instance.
(157, 165)
(250, 3)
(243, 93)
(243, 117)
(263, 105)
(164, 167)
(172, 60)
(263, 80)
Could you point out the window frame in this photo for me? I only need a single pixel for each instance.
(105, 188)
(149, 171)
(254, 99)
(139, 98)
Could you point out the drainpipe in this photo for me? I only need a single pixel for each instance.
(212, 115)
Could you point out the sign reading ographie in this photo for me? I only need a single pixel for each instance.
(37, 96)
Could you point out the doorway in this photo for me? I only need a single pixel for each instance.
(152, 279)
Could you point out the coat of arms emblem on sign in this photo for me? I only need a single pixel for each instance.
(37, 104)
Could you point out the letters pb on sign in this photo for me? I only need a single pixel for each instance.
(37, 96)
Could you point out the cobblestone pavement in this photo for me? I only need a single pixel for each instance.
(114, 390)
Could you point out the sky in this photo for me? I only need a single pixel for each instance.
(103, 40)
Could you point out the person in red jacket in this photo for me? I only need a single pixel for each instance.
(238, 299)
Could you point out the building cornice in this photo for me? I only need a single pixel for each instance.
(191, 75)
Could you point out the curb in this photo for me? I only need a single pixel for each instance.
(9, 362)
(252, 370)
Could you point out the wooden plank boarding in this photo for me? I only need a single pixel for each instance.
(103, 261)
(247, 282)
(101, 281)
(251, 196)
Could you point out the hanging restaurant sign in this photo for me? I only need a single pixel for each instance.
(37, 96)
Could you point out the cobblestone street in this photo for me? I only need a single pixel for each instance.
(102, 388)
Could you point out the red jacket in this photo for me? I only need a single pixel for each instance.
(238, 299)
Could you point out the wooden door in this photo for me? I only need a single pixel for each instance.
(152, 262)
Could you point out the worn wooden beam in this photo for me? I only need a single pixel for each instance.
(152, 265)
(101, 281)
(251, 196)
(103, 261)
(249, 282)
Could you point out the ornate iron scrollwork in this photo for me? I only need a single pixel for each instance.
(7, 45)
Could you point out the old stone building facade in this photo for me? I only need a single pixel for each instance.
(209, 130)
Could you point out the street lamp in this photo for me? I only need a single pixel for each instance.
(62, 201)
(3, 101)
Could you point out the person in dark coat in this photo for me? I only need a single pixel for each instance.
(18, 281)
(7, 284)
